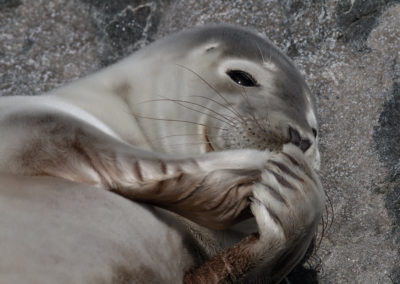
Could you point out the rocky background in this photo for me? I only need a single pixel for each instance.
(349, 52)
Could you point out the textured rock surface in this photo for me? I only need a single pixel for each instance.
(347, 50)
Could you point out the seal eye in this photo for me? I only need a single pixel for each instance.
(242, 78)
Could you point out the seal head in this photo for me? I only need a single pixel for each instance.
(228, 88)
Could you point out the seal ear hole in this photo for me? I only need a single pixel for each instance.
(208, 49)
(314, 131)
(242, 78)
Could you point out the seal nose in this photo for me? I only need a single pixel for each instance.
(296, 139)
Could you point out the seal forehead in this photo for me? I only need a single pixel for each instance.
(230, 47)
(234, 42)
(240, 43)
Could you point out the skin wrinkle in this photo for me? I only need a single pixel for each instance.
(189, 193)
(303, 166)
(163, 166)
(274, 217)
(286, 170)
(281, 180)
(138, 171)
(77, 147)
(294, 162)
(275, 194)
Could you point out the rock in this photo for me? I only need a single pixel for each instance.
(347, 50)
(123, 26)
(5, 4)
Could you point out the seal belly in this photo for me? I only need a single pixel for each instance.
(88, 237)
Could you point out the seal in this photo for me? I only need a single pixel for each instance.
(201, 130)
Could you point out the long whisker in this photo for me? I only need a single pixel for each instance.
(222, 105)
(191, 143)
(181, 103)
(211, 87)
(211, 110)
(259, 50)
(185, 135)
(326, 222)
(176, 120)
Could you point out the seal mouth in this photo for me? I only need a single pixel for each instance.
(209, 147)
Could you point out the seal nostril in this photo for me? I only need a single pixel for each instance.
(295, 137)
(305, 144)
(297, 140)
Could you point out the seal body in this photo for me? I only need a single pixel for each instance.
(142, 130)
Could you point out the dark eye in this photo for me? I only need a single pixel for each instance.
(242, 78)
(314, 131)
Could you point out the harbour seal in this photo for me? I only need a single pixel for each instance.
(72, 161)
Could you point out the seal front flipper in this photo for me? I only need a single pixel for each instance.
(287, 203)
(211, 189)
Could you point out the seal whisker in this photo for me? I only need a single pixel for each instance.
(261, 54)
(228, 118)
(211, 110)
(183, 135)
(236, 117)
(191, 143)
(326, 222)
(181, 103)
(175, 120)
(215, 90)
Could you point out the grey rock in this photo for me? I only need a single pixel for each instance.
(7, 4)
(357, 18)
(44, 44)
(387, 143)
(347, 50)
(123, 26)
(387, 133)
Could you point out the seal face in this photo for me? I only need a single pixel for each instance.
(239, 88)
